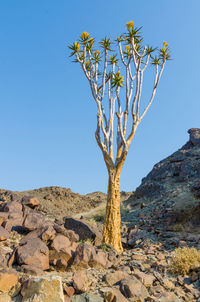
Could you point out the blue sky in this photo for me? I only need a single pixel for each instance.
(48, 116)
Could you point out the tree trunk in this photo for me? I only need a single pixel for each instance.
(112, 224)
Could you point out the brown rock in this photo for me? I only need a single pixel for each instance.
(83, 229)
(34, 252)
(80, 281)
(45, 233)
(69, 290)
(12, 206)
(73, 237)
(8, 281)
(5, 254)
(62, 249)
(32, 269)
(4, 234)
(43, 289)
(167, 297)
(88, 256)
(33, 221)
(3, 217)
(146, 279)
(134, 289)
(30, 201)
(112, 278)
(114, 296)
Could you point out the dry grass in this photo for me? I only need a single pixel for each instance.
(184, 260)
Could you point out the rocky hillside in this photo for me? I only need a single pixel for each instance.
(172, 186)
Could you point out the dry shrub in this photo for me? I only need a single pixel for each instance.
(178, 227)
(184, 260)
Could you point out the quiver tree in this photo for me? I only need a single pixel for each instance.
(117, 77)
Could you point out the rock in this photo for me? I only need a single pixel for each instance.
(135, 235)
(88, 256)
(45, 233)
(5, 254)
(87, 298)
(5, 298)
(112, 278)
(8, 281)
(69, 290)
(73, 237)
(43, 289)
(4, 234)
(114, 296)
(146, 279)
(194, 136)
(80, 281)
(167, 297)
(30, 201)
(12, 207)
(34, 252)
(83, 229)
(32, 269)
(134, 289)
(33, 221)
(3, 217)
(62, 249)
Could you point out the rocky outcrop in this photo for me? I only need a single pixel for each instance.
(174, 183)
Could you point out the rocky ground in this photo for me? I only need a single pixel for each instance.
(48, 259)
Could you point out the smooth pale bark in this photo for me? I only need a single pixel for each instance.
(112, 223)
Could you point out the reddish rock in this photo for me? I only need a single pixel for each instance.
(3, 217)
(112, 278)
(30, 201)
(33, 221)
(62, 249)
(45, 233)
(12, 206)
(114, 296)
(146, 279)
(69, 290)
(73, 237)
(5, 254)
(4, 234)
(134, 289)
(34, 252)
(80, 281)
(32, 269)
(88, 256)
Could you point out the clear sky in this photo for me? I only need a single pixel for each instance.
(48, 116)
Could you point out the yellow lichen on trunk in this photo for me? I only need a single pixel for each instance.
(112, 223)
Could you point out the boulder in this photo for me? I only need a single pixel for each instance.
(80, 281)
(5, 254)
(114, 295)
(112, 278)
(194, 136)
(33, 221)
(73, 237)
(43, 289)
(88, 256)
(34, 252)
(3, 217)
(30, 201)
(62, 249)
(87, 298)
(4, 234)
(134, 289)
(167, 297)
(12, 207)
(8, 281)
(146, 279)
(45, 233)
(83, 229)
